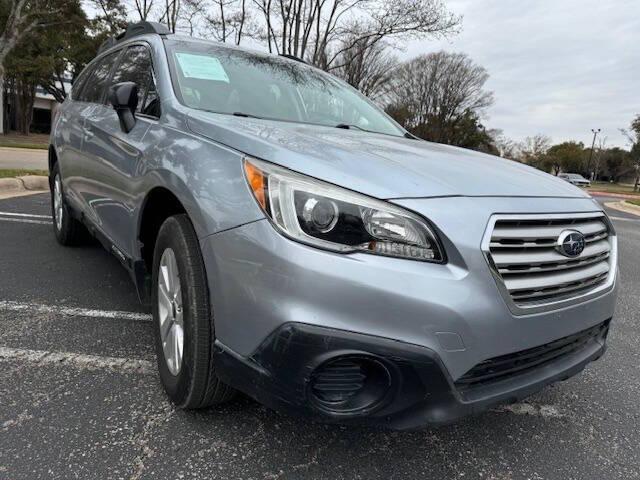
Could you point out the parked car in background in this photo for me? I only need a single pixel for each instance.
(575, 179)
(298, 245)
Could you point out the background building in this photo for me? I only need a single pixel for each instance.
(44, 107)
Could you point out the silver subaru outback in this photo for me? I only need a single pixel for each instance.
(295, 244)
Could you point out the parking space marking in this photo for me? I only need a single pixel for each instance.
(26, 215)
(526, 408)
(76, 360)
(25, 220)
(72, 311)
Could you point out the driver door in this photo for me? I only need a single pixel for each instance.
(119, 155)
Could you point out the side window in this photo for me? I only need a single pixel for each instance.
(94, 88)
(76, 89)
(136, 66)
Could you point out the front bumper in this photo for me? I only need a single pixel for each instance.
(446, 319)
(280, 374)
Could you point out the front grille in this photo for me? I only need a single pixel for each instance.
(507, 366)
(533, 272)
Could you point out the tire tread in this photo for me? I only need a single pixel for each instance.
(73, 232)
(204, 387)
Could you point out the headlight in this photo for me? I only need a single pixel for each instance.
(333, 218)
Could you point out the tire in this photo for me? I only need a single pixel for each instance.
(69, 231)
(182, 315)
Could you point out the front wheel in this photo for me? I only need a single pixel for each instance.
(183, 324)
(68, 230)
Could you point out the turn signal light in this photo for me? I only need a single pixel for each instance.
(257, 182)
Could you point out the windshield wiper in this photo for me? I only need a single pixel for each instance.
(246, 115)
(347, 126)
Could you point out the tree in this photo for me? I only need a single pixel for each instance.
(23, 72)
(633, 136)
(635, 159)
(111, 18)
(62, 53)
(43, 55)
(469, 132)
(143, 8)
(505, 147)
(171, 14)
(21, 17)
(228, 20)
(367, 66)
(317, 30)
(566, 157)
(615, 163)
(597, 156)
(533, 151)
(440, 97)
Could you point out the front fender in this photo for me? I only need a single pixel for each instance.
(207, 178)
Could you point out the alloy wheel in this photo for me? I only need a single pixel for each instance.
(170, 311)
(58, 210)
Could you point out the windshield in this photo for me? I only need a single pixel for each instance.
(226, 80)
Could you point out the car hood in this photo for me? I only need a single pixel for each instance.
(378, 165)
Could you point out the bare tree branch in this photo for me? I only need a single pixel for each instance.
(143, 8)
(436, 95)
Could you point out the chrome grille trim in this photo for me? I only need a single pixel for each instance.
(531, 232)
(543, 243)
(533, 276)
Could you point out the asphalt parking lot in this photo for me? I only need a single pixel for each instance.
(79, 397)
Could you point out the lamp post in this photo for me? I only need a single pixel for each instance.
(593, 144)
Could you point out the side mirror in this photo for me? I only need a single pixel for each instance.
(124, 98)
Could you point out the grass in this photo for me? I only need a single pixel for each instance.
(613, 188)
(15, 172)
(36, 146)
(634, 202)
(15, 140)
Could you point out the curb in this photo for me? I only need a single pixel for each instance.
(43, 148)
(35, 182)
(614, 195)
(25, 185)
(624, 207)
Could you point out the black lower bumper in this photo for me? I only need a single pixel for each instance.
(280, 374)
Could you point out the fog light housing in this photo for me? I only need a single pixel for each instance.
(350, 385)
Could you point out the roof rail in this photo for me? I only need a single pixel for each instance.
(292, 57)
(140, 28)
(108, 43)
(133, 30)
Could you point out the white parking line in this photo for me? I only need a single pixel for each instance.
(525, 408)
(76, 360)
(73, 312)
(26, 215)
(24, 220)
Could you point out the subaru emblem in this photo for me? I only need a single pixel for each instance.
(570, 243)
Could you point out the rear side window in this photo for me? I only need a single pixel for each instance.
(136, 66)
(95, 85)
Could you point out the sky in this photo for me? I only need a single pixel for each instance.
(560, 68)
